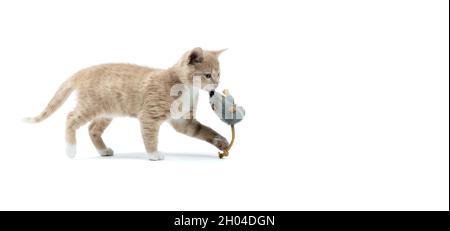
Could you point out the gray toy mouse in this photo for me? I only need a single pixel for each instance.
(228, 112)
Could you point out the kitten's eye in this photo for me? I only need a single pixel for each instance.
(208, 76)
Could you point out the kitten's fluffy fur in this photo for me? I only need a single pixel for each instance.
(110, 90)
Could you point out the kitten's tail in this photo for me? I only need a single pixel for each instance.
(60, 97)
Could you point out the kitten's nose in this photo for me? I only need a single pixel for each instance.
(211, 94)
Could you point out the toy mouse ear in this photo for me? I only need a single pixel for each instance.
(195, 56)
(217, 53)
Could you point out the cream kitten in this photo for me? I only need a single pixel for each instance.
(110, 90)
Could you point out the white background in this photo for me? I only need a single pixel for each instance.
(347, 105)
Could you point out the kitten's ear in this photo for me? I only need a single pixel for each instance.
(195, 56)
(217, 53)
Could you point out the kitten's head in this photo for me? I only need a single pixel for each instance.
(202, 65)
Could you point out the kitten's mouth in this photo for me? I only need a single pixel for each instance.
(211, 93)
(211, 87)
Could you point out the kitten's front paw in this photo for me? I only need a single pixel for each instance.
(156, 156)
(220, 142)
(106, 152)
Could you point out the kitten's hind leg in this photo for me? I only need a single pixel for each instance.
(74, 121)
(96, 129)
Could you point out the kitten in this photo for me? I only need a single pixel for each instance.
(111, 90)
